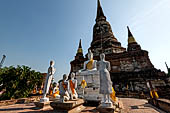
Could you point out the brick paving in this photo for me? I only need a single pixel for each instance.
(130, 105)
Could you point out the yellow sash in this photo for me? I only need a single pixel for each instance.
(89, 65)
(40, 91)
(151, 94)
(113, 95)
(83, 83)
(156, 94)
(64, 86)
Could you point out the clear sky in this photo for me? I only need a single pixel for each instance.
(32, 32)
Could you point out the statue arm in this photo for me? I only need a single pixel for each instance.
(50, 71)
(75, 84)
(97, 65)
(68, 86)
(84, 67)
(108, 66)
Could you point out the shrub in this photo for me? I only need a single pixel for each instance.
(18, 82)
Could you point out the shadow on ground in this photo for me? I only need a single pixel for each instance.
(145, 106)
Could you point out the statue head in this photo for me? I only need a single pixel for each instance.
(65, 77)
(52, 63)
(102, 56)
(72, 75)
(90, 54)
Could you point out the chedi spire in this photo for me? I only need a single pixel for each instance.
(80, 50)
(100, 14)
(131, 39)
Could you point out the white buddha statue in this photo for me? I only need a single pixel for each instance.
(90, 64)
(56, 91)
(51, 71)
(105, 80)
(63, 88)
(73, 86)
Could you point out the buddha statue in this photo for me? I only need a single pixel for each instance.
(90, 64)
(73, 86)
(56, 91)
(88, 80)
(63, 88)
(51, 71)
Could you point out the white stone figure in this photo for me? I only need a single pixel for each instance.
(88, 81)
(105, 81)
(51, 71)
(90, 64)
(73, 86)
(63, 88)
(56, 91)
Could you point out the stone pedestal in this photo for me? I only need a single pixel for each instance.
(44, 99)
(91, 92)
(104, 109)
(107, 104)
(42, 105)
(73, 106)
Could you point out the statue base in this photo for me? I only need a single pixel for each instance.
(104, 108)
(42, 105)
(106, 104)
(44, 99)
(91, 92)
(72, 106)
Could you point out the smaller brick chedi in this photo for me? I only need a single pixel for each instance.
(130, 66)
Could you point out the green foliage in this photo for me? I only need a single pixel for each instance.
(18, 82)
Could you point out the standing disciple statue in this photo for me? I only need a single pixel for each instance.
(63, 88)
(51, 71)
(105, 81)
(73, 86)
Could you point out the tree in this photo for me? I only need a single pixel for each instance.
(18, 82)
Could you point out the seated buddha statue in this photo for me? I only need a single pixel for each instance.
(90, 64)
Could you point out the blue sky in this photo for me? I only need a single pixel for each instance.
(32, 32)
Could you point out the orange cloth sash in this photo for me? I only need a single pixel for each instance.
(72, 86)
(64, 86)
(56, 93)
(34, 91)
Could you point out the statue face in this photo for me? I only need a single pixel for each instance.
(72, 75)
(52, 63)
(65, 77)
(90, 55)
(102, 56)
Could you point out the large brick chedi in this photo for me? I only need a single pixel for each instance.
(130, 66)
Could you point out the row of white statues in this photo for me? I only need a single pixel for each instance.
(68, 88)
